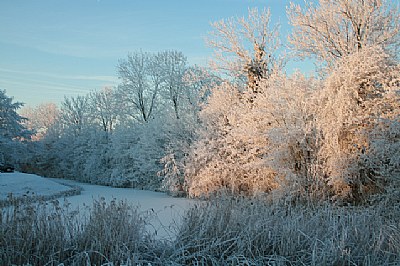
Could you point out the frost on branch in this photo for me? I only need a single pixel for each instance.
(228, 153)
(333, 29)
(357, 96)
(246, 47)
(303, 137)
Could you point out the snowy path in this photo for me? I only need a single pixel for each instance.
(168, 210)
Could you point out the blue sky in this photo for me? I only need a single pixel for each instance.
(52, 48)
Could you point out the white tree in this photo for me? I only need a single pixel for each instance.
(246, 46)
(174, 66)
(106, 108)
(362, 91)
(227, 155)
(230, 146)
(181, 134)
(40, 118)
(141, 80)
(12, 130)
(11, 123)
(75, 114)
(333, 29)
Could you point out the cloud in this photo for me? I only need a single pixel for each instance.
(109, 79)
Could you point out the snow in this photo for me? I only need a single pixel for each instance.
(165, 211)
(21, 185)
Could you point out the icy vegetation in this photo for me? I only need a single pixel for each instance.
(223, 231)
(309, 167)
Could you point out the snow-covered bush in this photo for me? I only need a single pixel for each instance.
(294, 142)
(230, 146)
(362, 91)
(307, 137)
(382, 161)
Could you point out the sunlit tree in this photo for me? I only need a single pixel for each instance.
(333, 29)
(40, 118)
(246, 46)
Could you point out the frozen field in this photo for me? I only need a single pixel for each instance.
(165, 212)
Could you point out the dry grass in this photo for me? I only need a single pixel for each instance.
(222, 231)
(52, 234)
(240, 231)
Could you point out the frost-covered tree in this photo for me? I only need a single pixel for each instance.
(105, 108)
(11, 123)
(293, 140)
(199, 82)
(230, 146)
(12, 129)
(75, 114)
(246, 46)
(40, 118)
(334, 138)
(141, 77)
(152, 83)
(174, 67)
(226, 154)
(362, 92)
(65, 147)
(182, 133)
(333, 29)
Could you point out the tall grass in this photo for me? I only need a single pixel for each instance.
(240, 231)
(222, 231)
(52, 234)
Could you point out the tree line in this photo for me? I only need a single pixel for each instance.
(244, 126)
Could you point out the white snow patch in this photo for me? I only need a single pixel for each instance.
(27, 185)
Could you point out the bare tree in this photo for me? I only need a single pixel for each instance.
(141, 84)
(105, 107)
(337, 28)
(174, 66)
(246, 46)
(75, 113)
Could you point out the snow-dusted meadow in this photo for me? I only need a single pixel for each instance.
(165, 212)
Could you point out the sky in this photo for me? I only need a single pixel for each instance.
(55, 48)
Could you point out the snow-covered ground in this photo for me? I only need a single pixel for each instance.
(19, 185)
(167, 210)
